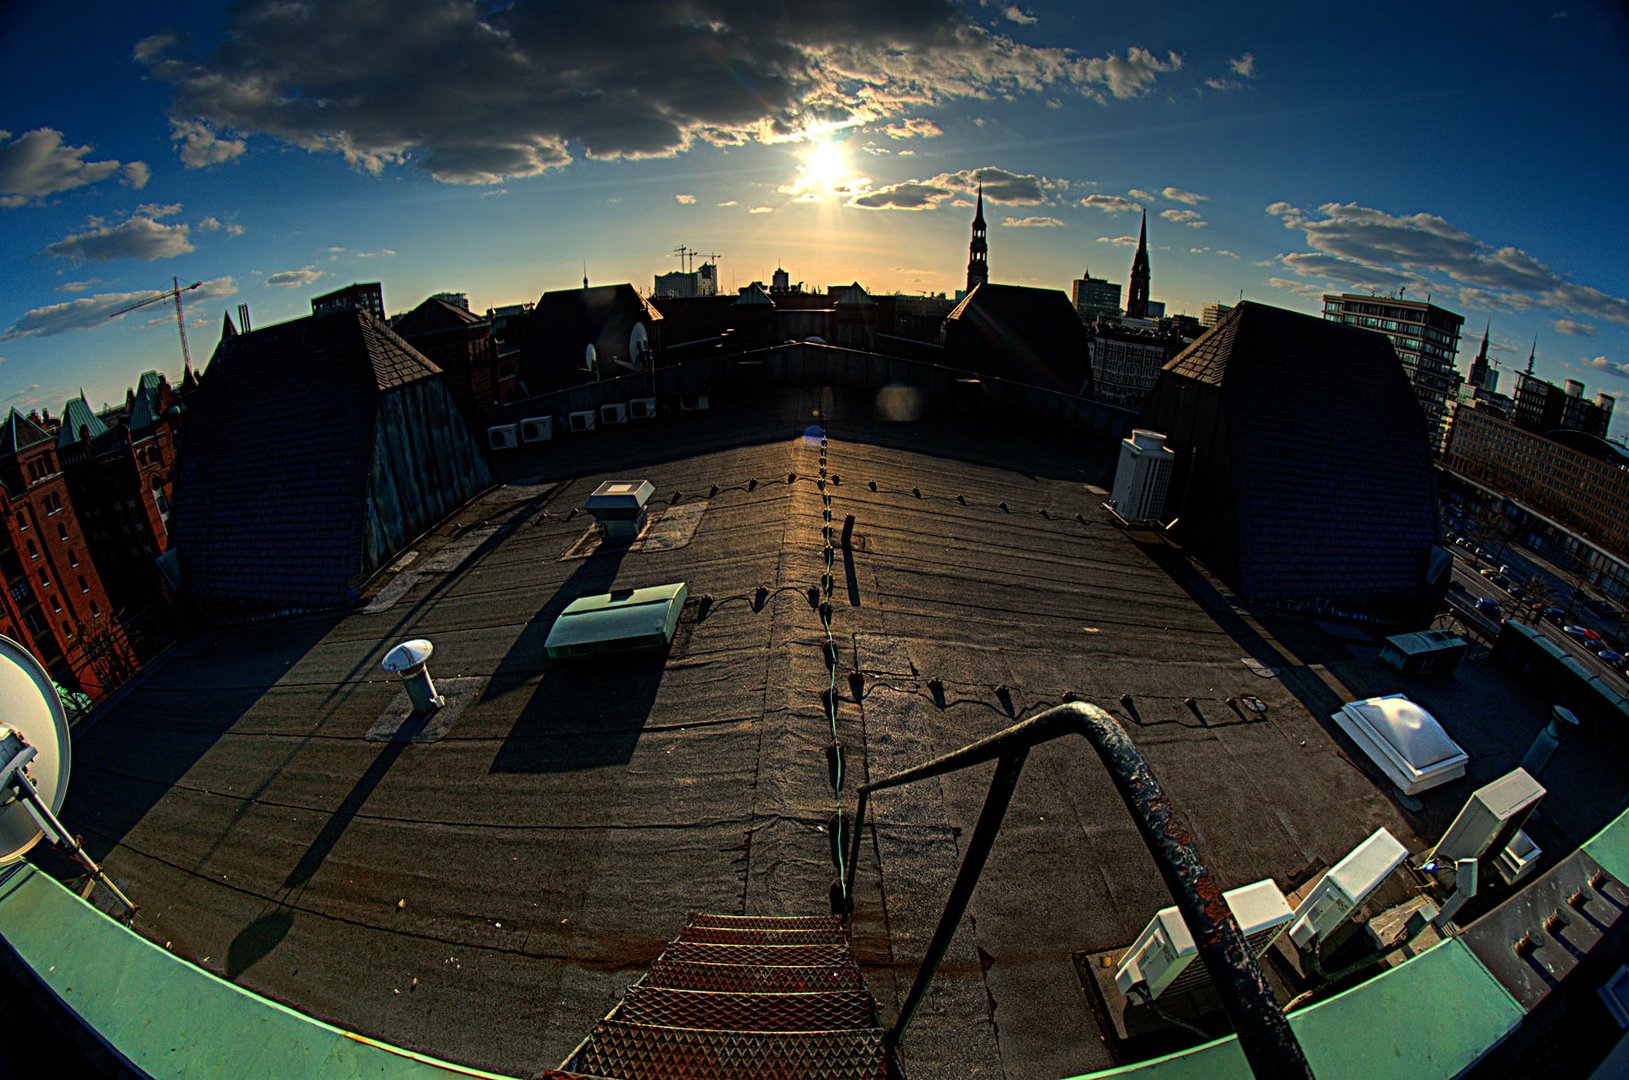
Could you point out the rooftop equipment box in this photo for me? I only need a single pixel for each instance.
(618, 507)
(625, 620)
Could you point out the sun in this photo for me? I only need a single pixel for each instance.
(824, 169)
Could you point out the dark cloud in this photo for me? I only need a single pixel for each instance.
(140, 236)
(38, 163)
(476, 93)
(1000, 186)
(910, 195)
(90, 312)
(1425, 244)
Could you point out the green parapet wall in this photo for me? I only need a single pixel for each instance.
(169, 1017)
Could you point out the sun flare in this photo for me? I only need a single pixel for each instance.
(825, 170)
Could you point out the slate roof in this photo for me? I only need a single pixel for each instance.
(433, 316)
(78, 414)
(19, 433)
(274, 460)
(1030, 335)
(1330, 486)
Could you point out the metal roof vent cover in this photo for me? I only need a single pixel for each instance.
(619, 508)
(411, 660)
(626, 620)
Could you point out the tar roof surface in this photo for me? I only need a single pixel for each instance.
(486, 897)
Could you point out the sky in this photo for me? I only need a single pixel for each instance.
(272, 150)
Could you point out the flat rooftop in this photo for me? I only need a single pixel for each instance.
(483, 887)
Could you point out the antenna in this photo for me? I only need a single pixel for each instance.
(35, 755)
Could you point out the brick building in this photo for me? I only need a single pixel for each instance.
(1582, 483)
(55, 603)
(461, 344)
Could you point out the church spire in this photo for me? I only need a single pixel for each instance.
(978, 252)
(1532, 354)
(1479, 366)
(1137, 295)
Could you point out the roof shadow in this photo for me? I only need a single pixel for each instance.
(585, 714)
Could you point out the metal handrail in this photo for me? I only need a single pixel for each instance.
(1264, 1033)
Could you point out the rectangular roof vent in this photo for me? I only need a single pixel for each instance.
(625, 620)
(619, 507)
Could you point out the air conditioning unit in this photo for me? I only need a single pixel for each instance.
(1347, 884)
(1162, 956)
(535, 429)
(616, 413)
(642, 408)
(1143, 476)
(1491, 819)
(694, 403)
(580, 422)
(503, 436)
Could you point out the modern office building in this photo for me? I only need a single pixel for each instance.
(1094, 297)
(1425, 336)
(1543, 407)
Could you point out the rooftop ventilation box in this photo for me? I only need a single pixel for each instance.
(622, 621)
(1162, 953)
(536, 429)
(618, 507)
(1143, 476)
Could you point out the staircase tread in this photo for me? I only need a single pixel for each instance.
(770, 978)
(766, 922)
(830, 1010)
(637, 1051)
(765, 955)
(729, 935)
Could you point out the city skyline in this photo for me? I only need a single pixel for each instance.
(275, 152)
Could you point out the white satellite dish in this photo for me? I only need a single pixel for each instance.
(638, 346)
(31, 717)
(591, 359)
(35, 753)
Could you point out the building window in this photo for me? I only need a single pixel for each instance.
(45, 579)
(56, 605)
(94, 610)
(84, 586)
(33, 550)
(67, 630)
(22, 521)
(73, 559)
(62, 531)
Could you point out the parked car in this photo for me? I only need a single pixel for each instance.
(1554, 615)
(1489, 608)
(1611, 656)
(1577, 633)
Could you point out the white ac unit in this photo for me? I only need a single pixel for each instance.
(1143, 476)
(1490, 819)
(536, 429)
(642, 408)
(503, 436)
(1161, 956)
(693, 403)
(1347, 884)
(580, 422)
(616, 413)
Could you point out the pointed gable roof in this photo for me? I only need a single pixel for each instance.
(433, 316)
(78, 414)
(855, 296)
(19, 433)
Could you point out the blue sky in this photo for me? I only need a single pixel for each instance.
(273, 151)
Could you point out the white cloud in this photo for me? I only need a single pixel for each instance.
(200, 146)
(1000, 186)
(762, 210)
(1190, 218)
(1244, 66)
(90, 312)
(728, 202)
(1300, 288)
(1033, 223)
(1143, 196)
(1118, 241)
(140, 236)
(687, 200)
(38, 164)
(1176, 194)
(136, 174)
(915, 127)
(1416, 245)
(505, 96)
(78, 286)
(1111, 204)
(1014, 14)
(1573, 328)
(292, 279)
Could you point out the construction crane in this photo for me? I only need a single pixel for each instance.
(174, 291)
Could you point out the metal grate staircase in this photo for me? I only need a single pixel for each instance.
(742, 996)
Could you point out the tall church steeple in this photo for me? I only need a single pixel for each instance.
(1531, 355)
(1137, 294)
(1479, 366)
(978, 252)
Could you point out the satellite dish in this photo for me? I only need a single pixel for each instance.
(591, 358)
(31, 717)
(35, 749)
(638, 346)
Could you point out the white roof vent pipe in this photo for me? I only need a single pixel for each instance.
(411, 660)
